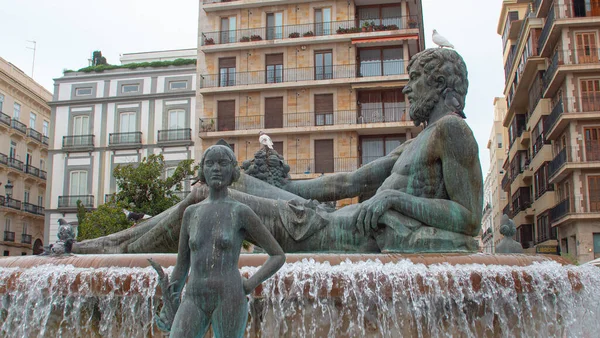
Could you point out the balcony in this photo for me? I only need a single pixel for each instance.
(45, 140)
(537, 146)
(545, 233)
(557, 162)
(70, 201)
(9, 236)
(331, 165)
(43, 175)
(506, 211)
(34, 134)
(521, 200)
(307, 30)
(33, 209)
(3, 159)
(25, 239)
(583, 108)
(175, 136)
(78, 142)
(125, 140)
(327, 74)
(15, 164)
(20, 127)
(31, 170)
(506, 182)
(305, 121)
(5, 120)
(569, 159)
(12, 203)
(560, 210)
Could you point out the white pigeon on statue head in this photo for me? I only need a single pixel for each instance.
(265, 140)
(441, 41)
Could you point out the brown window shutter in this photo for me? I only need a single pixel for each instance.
(226, 115)
(274, 112)
(324, 156)
(324, 103)
(278, 146)
(227, 63)
(274, 59)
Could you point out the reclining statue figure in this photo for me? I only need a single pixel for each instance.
(426, 194)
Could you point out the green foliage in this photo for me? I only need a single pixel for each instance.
(108, 219)
(81, 212)
(102, 67)
(143, 187)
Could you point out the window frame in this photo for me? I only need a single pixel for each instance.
(79, 89)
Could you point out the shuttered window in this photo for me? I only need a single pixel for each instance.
(226, 115)
(226, 72)
(323, 109)
(274, 112)
(594, 193)
(381, 106)
(274, 68)
(592, 144)
(278, 146)
(324, 156)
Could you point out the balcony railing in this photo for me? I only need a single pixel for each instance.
(172, 135)
(43, 174)
(293, 120)
(9, 236)
(570, 9)
(560, 210)
(547, 28)
(12, 203)
(70, 201)
(14, 163)
(537, 146)
(545, 233)
(78, 141)
(331, 165)
(551, 71)
(129, 138)
(5, 119)
(3, 159)
(45, 140)
(505, 180)
(506, 211)
(557, 162)
(329, 72)
(521, 199)
(307, 30)
(25, 239)
(589, 103)
(34, 134)
(19, 126)
(29, 169)
(573, 56)
(33, 209)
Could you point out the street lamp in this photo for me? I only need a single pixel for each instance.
(8, 188)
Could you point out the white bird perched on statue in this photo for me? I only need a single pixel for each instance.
(265, 140)
(441, 41)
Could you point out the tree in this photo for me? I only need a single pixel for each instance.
(144, 188)
(107, 219)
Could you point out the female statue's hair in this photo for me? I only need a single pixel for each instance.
(236, 169)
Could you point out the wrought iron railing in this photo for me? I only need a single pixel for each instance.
(78, 141)
(323, 166)
(506, 211)
(557, 162)
(170, 135)
(45, 140)
(33, 209)
(547, 29)
(328, 72)
(5, 119)
(14, 163)
(560, 210)
(12, 203)
(19, 126)
(115, 139)
(43, 174)
(25, 239)
(521, 199)
(34, 134)
(308, 30)
(551, 71)
(9, 236)
(70, 201)
(3, 159)
(31, 170)
(537, 146)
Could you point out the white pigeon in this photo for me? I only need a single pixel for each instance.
(265, 140)
(441, 41)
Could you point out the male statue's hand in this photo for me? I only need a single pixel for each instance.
(372, 209)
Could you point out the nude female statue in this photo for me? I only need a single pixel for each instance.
(209, 248)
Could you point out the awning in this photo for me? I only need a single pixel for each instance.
(386, 39)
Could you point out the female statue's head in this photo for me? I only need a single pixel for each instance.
(218, 167)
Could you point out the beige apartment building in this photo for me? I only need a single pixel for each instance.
(552, 88)
(24, 127)
(495, 198)
(323, 79)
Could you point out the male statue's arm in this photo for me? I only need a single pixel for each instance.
(462, 179)
(367, 178)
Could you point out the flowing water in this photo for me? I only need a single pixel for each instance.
(311, 299)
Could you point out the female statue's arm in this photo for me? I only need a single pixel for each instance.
(182, 266)
(265, 240)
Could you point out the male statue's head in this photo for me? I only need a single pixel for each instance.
(437, 80)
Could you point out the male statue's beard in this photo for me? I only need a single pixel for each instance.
(421, 108)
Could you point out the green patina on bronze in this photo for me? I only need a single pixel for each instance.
(426, 195)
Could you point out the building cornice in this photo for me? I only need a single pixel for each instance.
(110, 99)
(117, 73)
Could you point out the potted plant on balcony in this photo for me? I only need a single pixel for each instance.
(379, 28)
(341, 30)
(294, 35)
(308, 34)
(245, 39)
(391, 27)
(412, 23)
(366, 26)
(255, 37)
(354, 30)
(209, 41)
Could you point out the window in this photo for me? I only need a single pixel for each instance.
(7, 224)
(25, 228)
(278, 147)
(81, 128)
(40, 200)
(26, 194)
(274, 68)
(323, 65)
(176, 119)
(587, 49)
(127, 127)
(228, 29)
(381, 106)
(169, 172)
(226, 72)
(499, 140)
(42, 164)
(130, 88)
(176, 85)
(594, 193)
(78, 183)
(45, 125)
(274, 112)
(12, 151)
(323, 21)
(274, 26)
(380, 15)
(381, 61)
(590, 95)
(373, 148)
(17, 111)
(323, 109)
(541, 181)
(28, 157)
(6, 253)
(85, 91)
(324, 156)
(596, 245)
(592, 144)
(1, 102)
(32, 118)
(226, 115)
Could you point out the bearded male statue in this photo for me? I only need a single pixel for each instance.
(427, 193)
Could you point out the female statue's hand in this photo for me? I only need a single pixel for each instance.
(248, 288)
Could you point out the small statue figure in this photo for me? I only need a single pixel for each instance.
(508, 244)
(66, 238)
(210, 242)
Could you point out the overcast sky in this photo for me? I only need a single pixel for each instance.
(68, 31)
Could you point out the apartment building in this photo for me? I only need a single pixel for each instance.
(24, 127)
(323, 79)
(552, 88)
(119, 116)
(487, 221)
